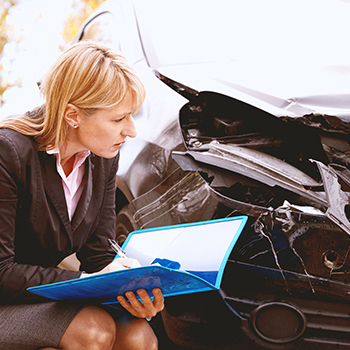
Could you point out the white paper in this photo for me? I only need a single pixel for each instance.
(196, 248)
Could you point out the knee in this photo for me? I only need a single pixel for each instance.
(92, 328)
(137, 335)
(145, 339)
(100, 335)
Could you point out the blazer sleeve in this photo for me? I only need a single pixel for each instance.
(96, 252)
(15, 277)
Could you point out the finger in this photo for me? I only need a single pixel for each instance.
(152, 307)
(123, 302)
(128, 307)
(143, 308)
(134, 302)
(129, 262)
(146, 299)
(117, 264)
(113, 266)
(158, 302)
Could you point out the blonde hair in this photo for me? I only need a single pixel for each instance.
(90, 76)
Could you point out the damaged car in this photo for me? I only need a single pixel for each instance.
(247, 113)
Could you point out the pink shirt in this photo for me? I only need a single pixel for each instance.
(72, 184)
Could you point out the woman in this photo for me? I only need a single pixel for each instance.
(57, 197)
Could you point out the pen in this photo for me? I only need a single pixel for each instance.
(116, 247)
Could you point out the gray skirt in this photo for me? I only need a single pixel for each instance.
(35, 326)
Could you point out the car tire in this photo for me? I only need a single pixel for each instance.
(125, 224)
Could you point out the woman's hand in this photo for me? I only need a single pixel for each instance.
(146, 308)
(141, 309)
(120, 264)
(115, 265)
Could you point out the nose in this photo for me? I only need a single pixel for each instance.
(129, 128)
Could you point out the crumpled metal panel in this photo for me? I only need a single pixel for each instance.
(258, 166)
(336, 198)
(324, 122)
(184, 197)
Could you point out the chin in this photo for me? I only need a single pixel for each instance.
(107, 155)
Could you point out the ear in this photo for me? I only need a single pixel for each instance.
(71, 115)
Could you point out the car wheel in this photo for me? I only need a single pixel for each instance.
(125, 224)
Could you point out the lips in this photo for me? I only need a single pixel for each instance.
(119, 145)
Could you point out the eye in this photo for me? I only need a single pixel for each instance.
(119, 119)
(122, 118)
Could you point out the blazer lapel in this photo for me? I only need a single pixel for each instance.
(86, 196)
(54, 189)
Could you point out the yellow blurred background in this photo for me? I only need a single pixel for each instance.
(32, 34)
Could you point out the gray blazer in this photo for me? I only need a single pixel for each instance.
(35, 231)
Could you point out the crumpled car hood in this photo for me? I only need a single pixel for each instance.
(277, 90)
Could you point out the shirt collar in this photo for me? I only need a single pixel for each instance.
(79, 157)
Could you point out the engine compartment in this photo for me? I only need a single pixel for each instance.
(213, 117)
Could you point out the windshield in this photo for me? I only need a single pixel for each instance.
(273, 31)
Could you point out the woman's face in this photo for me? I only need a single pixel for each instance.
(105, 132)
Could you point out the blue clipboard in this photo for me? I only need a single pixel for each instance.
(178, 259)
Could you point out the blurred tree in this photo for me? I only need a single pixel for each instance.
(82, 10)
(12, 35)
(6, 35)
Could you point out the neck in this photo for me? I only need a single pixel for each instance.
(67, 153)
(67, 165)
(67, 157)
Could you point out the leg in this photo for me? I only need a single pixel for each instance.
(95, 329)
(135, 335)
(91, 329)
